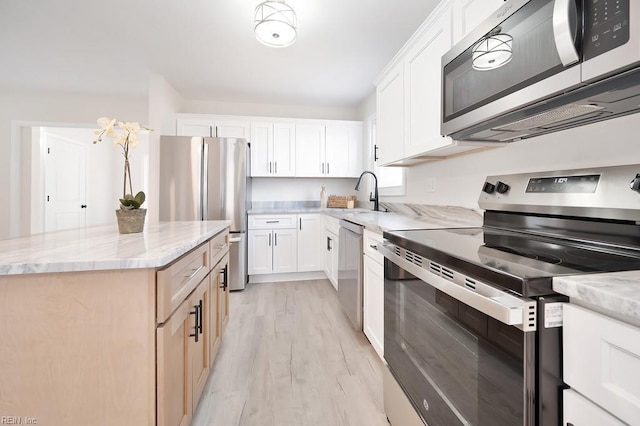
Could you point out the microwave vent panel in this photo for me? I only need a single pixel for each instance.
(550, 117)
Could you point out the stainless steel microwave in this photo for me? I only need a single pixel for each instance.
(540, 66)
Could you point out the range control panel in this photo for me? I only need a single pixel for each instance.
(606, 26)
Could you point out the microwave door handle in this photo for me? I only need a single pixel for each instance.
(562, 34)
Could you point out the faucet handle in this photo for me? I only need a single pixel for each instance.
(371, 197)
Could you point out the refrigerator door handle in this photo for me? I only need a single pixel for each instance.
(204, 202)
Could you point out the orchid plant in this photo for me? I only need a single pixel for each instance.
(124, 134)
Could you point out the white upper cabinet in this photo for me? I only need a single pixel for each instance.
(423, 75)
(272, 149)
(409, 89)
(390, 112)
(468, 14)
(343, 149)
(212, 126)
(329, 149)
(310, 150)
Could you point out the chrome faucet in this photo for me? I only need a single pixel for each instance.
(372, 196)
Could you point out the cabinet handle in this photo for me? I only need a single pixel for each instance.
(225, 276)
(273, 221)
(322, 168)
(328, 243)
(300, 219)
(328, 168)
(275, 167)
(200, 310)
(269, 166)
(375, 153)
(373, 246)
(196, 312)
(275, 239)
(83, 206)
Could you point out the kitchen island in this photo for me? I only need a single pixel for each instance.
(101, 328)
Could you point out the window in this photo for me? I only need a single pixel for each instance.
(391, 180)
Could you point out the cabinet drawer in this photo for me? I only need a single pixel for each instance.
(371, 240)
(273, 221)
(579, 411)
(602, 361)
(218, 246)
(175, 282)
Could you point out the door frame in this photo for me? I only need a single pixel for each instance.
(21, 167)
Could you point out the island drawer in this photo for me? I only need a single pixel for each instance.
(218, 246)
(281, 221)
(178, 280)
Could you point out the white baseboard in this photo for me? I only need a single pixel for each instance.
(293, 276)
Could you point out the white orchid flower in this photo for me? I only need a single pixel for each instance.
(120, 139)
(106, 126)
(131, 127)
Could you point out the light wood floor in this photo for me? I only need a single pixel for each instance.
(290, 357)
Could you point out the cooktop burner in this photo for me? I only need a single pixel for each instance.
(518, 261)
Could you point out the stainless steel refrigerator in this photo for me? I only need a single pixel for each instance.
(209, 179)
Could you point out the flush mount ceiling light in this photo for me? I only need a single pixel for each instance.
(492, 51)
(275, 24)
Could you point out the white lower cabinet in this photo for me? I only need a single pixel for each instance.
(579, 411)
(310, 255)
(272, 251)
(330, 245)
(601, 361)
(373, 295)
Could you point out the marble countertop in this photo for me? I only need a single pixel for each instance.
(295, 210)
(102, 247)
(614, 292)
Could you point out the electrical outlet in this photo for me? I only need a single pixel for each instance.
(430, 185)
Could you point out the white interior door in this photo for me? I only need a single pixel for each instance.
(65, 184)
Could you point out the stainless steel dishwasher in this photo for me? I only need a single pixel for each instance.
(350, 271)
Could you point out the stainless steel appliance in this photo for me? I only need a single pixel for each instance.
(209, 179)
(572, 62)
(472, 324)
(350, 271)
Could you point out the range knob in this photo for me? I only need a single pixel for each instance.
(502, 187)
(488, 188)
(635, 184)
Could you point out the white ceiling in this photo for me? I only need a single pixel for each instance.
(204, 48)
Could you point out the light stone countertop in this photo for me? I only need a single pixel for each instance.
(614, 293)
(103, 248)
(411, 216)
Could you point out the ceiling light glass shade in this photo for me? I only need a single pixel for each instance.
(275, 24)
(492, 51)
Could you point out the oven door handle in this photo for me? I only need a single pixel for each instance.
(500, 305)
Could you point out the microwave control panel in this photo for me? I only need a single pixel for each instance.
(606, 26)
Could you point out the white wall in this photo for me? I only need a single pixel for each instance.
(270, 110)
(299, 189)
(164, 103)
(459, 180)
(20, 109)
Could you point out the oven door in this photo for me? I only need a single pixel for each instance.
(526, 51)
(457, 365)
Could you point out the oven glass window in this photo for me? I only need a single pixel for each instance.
(533, 57)
(457, 365)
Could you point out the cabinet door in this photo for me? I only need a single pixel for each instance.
(229, 128)
(285, 250)
(310, 256)
(327, 258)
(261, 147)
(195, 127)
(468, 14)
(423, 76)
(199, 302)
(390, 107)
(373, 301)
(335, 259)
(260, 251)
(284, 149)
(310, 159)
(215, 278)
(579, 411)
(174, 393)
(223, 297)
(343, 150)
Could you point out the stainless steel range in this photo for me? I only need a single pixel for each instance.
(472, 324)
